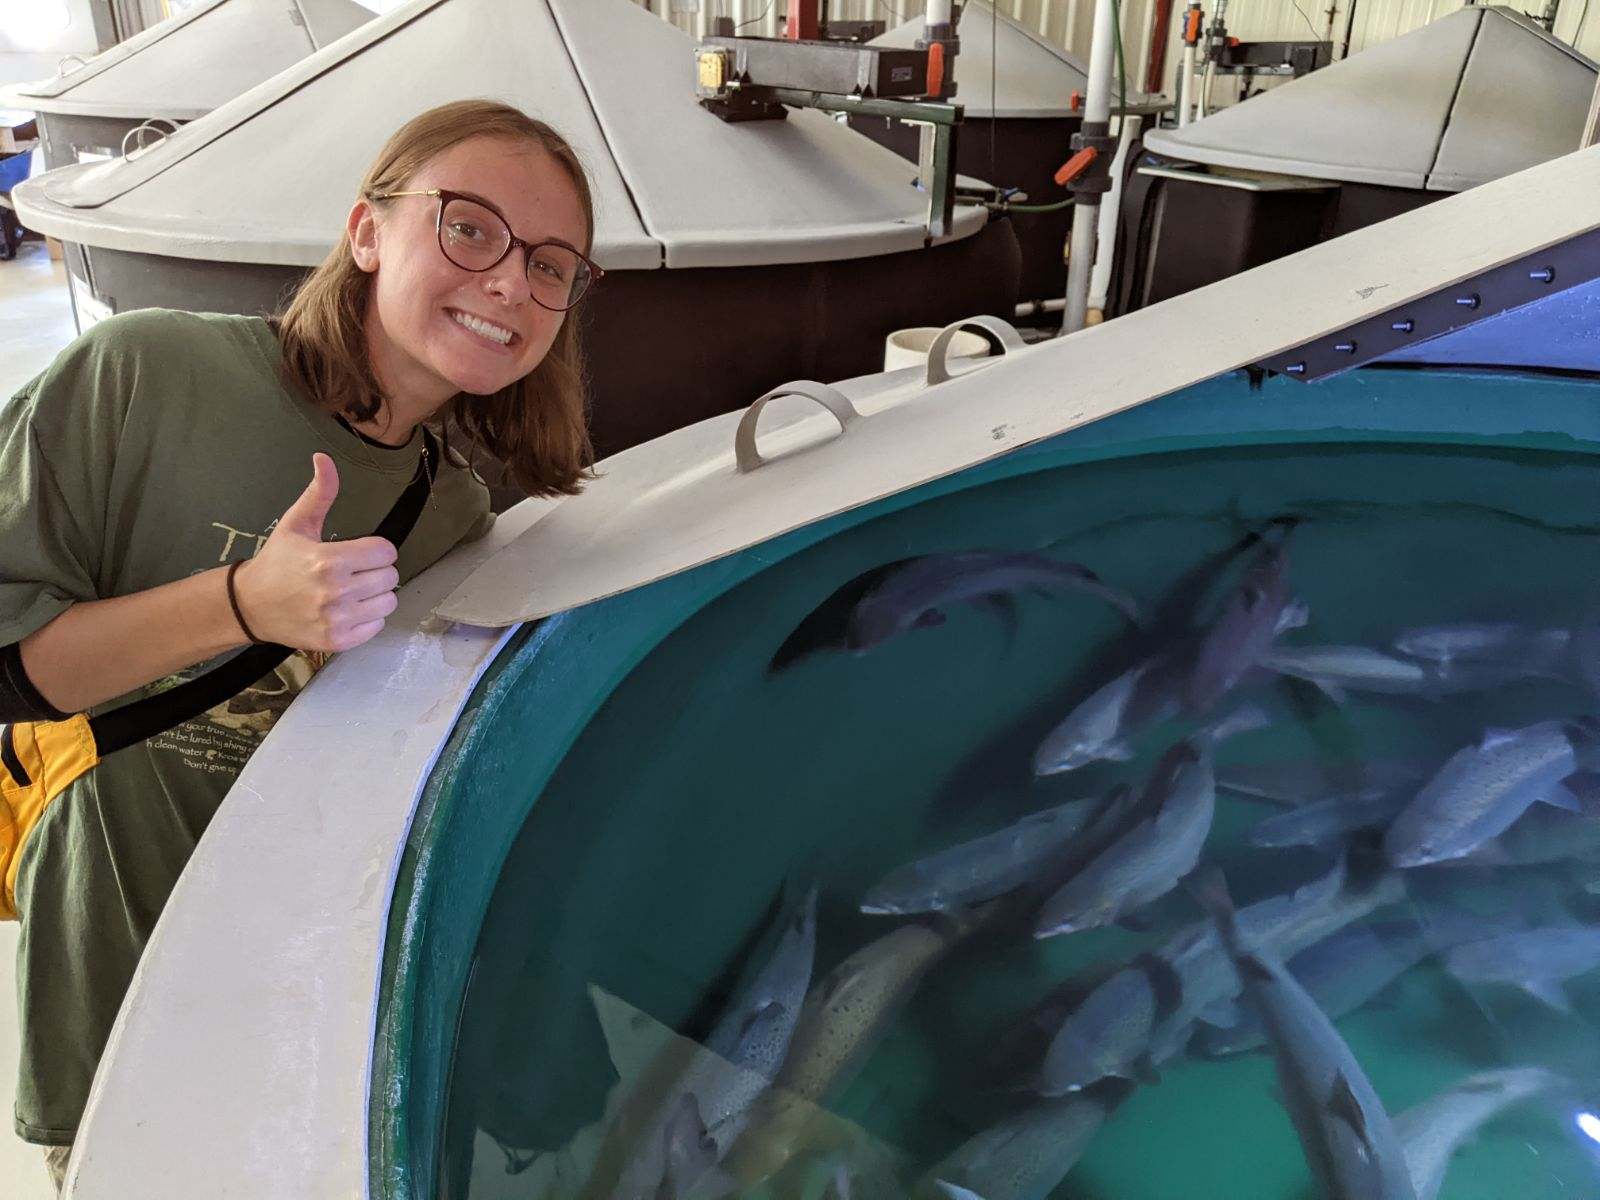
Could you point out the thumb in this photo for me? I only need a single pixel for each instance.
(306, 515)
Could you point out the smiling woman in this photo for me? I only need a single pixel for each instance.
(444, 306)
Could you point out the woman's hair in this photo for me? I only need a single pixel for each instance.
(535, 426)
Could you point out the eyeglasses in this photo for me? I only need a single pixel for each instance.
(476, 238)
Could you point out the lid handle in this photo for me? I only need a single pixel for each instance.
(77, 61)
(142, 133)
(1003, 331)
(831, 398)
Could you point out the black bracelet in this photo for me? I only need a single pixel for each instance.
(233, 601)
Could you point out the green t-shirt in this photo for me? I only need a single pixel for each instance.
(158, 445)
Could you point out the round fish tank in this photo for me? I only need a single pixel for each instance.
(145, 88)
(1020, 778)
(1476, 95)
(1016, 90)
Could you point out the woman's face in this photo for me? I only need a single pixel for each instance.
(421, 349)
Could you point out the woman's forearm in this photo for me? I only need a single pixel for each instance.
(101, 649)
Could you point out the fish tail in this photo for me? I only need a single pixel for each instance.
(1209, 887)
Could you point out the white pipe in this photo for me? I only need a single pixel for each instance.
(938, 13)
(1086, 208)
(1110, 210)
(1186, 89)
(1206, 77)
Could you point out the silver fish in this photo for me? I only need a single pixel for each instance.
(1102, 726)
(1339, 670)
(1485, 642)
(1162, 842)
(1432, 1132)
(1349, 1141)
(983, 868)
(1144, 1014)
(914, 594)
(726, 1076)
(1297, 782)
(1480, 791)
(1327, 822)
(1252, 618)
(844, 1019)
(1564, 828)
(1536, 960)
(1023, 1157)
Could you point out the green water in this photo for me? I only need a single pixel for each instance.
(652, 860)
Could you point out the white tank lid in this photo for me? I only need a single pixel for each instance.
(269, 177)
(193, 62)
(1006, 70)
(1475, 95)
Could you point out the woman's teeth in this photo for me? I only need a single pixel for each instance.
(478, 325)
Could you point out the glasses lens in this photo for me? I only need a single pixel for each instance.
(472, 236)
(557, 275)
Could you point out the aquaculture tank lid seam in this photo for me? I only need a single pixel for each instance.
(135, 78)
(1423, 111)
(804, 189)
(679, 501)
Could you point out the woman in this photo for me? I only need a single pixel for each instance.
(154, 515)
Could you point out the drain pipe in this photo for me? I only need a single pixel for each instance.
(1088, 172)
(1193, 18)
(1591, 123)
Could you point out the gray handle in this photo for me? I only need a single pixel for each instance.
(745, 453)
(1010, 339)
(140, 134)
(61, 63)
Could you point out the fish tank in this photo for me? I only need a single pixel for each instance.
(1201, 803)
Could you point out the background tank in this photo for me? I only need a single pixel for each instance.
(1017, 91)
(1477, 94)
(570, 829)
(736, 255)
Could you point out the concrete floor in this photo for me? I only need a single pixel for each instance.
(35, 323)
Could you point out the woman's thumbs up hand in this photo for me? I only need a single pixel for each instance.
(303, 592)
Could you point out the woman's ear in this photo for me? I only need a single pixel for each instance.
(361, 228)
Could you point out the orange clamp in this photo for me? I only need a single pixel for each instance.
(935, 69)
(1191, 25)
(1076, 165)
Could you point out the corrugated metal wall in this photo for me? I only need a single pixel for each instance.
(1067, 22)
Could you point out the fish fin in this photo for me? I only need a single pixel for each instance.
(1295, 615)
(1004, 608)
(1490, 738)
(1550, 992)
(1253, 968)
(1144, 1071)
(1562, 797)
(1329, 689)
(931, 619)
(1209, 887)
(1247, 718)
(1342, 1103)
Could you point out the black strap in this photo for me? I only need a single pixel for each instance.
(132, 723)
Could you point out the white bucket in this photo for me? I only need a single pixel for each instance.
(909, 347)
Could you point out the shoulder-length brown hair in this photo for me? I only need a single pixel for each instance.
(537, 425)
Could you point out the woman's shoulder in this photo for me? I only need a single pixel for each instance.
(162, 329)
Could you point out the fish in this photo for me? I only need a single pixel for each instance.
(1024, 1156)
(1102, 727)
(916, 591)
(690, 1155)
(1297, 782)
(1567, 828)
(1339, 670)
(725, 1077)
(1341, 973)
(845, 1016)
(1252, 618)
(1327, 822)
(1431, 1132)
(1481, 790)
(1485, 642)
(1166, 830)
(983, 868)
(1538, 961)
(1143, 1014)
(1348, 1139)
